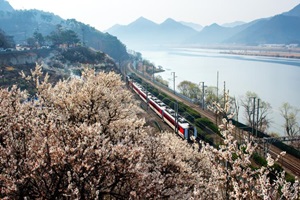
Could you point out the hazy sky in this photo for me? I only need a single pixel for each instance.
(102, 14)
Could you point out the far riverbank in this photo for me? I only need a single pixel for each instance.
(285, 51)
(278, 54)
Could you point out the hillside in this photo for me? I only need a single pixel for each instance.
(21, 24)
(58, 63)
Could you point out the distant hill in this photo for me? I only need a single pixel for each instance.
(214, 34)
(209, 34)
(233, 24)
(136, 33)
(280, 29)
(21, 24)
(294, 12)
(194, 26)
(173, 32)
(145, 33)
(5, 6)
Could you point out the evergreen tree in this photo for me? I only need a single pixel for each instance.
(5, 40)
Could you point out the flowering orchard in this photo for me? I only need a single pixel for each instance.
(82, 139)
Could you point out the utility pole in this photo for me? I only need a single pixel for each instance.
(152, 73)
(217, 86)
(202, 98)
(176, 116)
(224, 94)
(147, 93)
(257, 117)
(173, 80)
(253, 115)
(203, 95)
(217, 95)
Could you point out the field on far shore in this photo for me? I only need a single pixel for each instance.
(271, 51)
(283, 52)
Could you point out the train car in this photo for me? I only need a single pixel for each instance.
(157, 106)
(176, 123)
(161, 109)
(139, 90)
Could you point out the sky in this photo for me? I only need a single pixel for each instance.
(103, 14)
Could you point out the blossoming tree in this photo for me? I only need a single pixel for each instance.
(82, 139)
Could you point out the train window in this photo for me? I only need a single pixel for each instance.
(161, 104)
(172, 113)
(182, 120)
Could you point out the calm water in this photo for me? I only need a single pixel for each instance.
(274, 80)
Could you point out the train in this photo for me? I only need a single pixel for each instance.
(178, 123)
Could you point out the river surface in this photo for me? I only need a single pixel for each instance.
(274, 80)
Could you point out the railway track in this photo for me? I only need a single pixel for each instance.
(153, 116)
(288, 162)
(205, 113)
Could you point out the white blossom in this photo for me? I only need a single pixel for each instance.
(82, 139)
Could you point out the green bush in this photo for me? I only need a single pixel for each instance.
(259, 160)
(206, 122)
(161, 96)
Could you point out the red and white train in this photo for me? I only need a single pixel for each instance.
(161, 109)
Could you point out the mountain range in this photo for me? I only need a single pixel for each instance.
(5, 6)
(280, 29)
(145, 32)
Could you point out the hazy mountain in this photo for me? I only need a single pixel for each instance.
(210, 34)
(21, 24)
(172, 32)
(215, 34)
(194, 26)
(114, 27)
(233, 24)
(294, 12)
(145, 33)
(138, 32)
(283, 28)
(5, 6)
(280, 29)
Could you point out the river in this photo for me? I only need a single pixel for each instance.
(274, 80)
